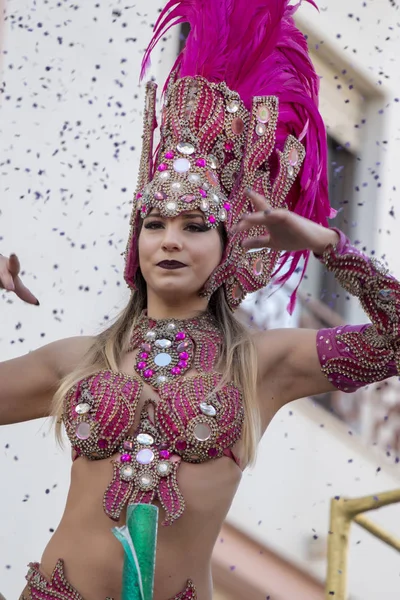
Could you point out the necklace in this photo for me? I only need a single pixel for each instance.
(168, 348)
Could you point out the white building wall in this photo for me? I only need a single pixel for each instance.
(64, 211)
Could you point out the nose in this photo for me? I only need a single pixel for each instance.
(171, 239)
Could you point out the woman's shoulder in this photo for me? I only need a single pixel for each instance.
(67, 353)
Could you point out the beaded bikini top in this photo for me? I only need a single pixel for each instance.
(190, 421)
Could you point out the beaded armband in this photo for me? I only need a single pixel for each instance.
(354, 356)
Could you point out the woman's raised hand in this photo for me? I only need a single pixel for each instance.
(286, 230)
(10, 280)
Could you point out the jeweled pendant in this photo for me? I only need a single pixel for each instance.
(163, 468)
(237, 126)
(194, 178)
(176, 186)
(214, 162)
(181, 165)
(222, 214)
(185, 148)
(127, 472)
(207, 409)
(82, 408)
(145, 481)
(263, 114)
(233, 106)
(162, 359)
(83, 431)
(163, 343)
(145, 456)
(260, 129)
(171, 206)
(145, 438)
(202, 432)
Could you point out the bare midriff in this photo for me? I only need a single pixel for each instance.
(93, 557)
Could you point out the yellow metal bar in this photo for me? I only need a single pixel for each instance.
(343, 512)
(378, 532)
(336, 583)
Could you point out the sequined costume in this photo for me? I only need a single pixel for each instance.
(353, 356)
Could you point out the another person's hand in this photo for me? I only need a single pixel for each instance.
(286, 230)
(10, 280)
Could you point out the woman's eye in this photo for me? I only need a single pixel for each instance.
(153, 225)
(194, 227)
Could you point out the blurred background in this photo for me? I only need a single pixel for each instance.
(70, 126)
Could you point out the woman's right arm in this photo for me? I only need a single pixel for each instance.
(28, 383)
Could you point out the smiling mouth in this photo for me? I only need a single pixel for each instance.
(170, 264)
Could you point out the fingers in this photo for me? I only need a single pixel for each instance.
(22, 292)
(256, 242)
(13, 265)
(259, 202)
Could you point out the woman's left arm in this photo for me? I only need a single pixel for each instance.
(308, 362)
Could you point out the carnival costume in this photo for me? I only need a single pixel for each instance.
(240, 110)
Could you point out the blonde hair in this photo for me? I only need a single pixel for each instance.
(237, 363)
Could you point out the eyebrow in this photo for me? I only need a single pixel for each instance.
(185, 216)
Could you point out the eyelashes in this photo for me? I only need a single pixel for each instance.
(194, 227)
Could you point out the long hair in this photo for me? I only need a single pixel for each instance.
(237, 362)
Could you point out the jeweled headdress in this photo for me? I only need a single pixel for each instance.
(240, 109)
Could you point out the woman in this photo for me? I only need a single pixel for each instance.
(167, 406)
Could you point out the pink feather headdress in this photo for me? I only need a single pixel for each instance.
(240, 109)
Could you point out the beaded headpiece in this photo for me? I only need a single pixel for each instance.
(240, 110)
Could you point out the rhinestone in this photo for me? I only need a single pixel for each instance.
(233, 106)
(181, 445)
(260, 129)
(212, 178)
(127, 472)
(164, 175)
(145, 456)
(163, 343)
(257, 267)
(204, 205)
(171, 206)
(188, 198)
(237, 292)
(163, 468)
(293, 157)
(82, 408)
(162, 359)
(263, 114)
(160, 196)
(215, 198)
(207, 409)
(185, 148)
(202, 432)
(205, 185)
(145, 439)
(181, 165)
(83, 431)
(150, 335)
(237, 126)
(161, 379)
(222, 214)
(171, 326)
(290, 171)
(128, 445)
(176, 186)
(194, 178)
(183, 346)
(145, 481)
(214, 163)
